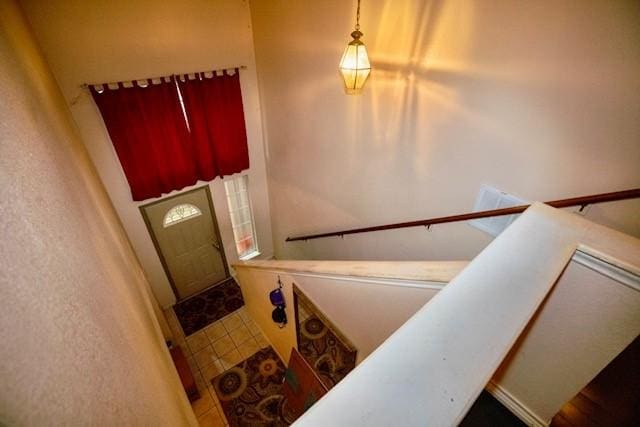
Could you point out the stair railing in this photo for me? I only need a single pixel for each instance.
(582, 201)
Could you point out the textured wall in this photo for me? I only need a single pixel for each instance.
(349, 304)
(106, 41)
(539, 99)
(79, 344)
(587, 319)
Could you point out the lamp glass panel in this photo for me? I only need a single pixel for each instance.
(355, 67)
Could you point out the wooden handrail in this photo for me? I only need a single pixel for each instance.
(562, 203)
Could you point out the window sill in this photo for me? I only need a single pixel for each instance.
(249, 256)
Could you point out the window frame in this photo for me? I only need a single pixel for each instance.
(235, 180)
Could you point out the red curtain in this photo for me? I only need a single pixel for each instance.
(159, 151)
(216, 119)
(148, 130)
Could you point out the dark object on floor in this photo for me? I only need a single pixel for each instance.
(250, 393)
(185, 374)
(488, 412)
(612, 398)
(208, 306)
(302, 387)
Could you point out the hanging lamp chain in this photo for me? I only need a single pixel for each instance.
(358, 17)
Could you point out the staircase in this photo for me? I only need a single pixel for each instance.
(612, 398)
(533, 319)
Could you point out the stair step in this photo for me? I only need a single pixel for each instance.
(590, 408)
(610, 399)
(560, 421)
(577, 417)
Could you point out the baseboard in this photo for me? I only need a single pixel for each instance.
(515, 406)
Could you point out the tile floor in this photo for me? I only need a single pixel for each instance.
(213, 350)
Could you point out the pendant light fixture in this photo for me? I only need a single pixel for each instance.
(355, 66)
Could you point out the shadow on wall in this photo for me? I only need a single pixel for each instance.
(410, 84)
(425, 63)
(525, 96)
(403, 90)
(400, 50)
(447, 73)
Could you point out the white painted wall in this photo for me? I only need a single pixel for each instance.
(79, 341)
(94, 42)
(367, 313)
(586, 321)
(487, 318)
(539, 99)
(365, 309)
(442, 357)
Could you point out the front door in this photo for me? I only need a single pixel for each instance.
(185, 233)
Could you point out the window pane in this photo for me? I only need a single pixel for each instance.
(233, 204)
(239, 204)
(245, 247)
(230, 187)
(243, 196)
(243, 215)
(180, 213)
(245, 230)
(236, 185)
(242, 184)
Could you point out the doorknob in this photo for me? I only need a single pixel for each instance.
(216, 245)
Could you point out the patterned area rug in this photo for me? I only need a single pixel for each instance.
(327, 355)
(208, 306)
(250, 393)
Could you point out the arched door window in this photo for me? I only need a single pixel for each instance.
(180, 213)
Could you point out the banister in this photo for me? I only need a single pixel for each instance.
(562, 203)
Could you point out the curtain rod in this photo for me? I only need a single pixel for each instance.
(87, 85)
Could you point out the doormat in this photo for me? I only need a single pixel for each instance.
(208, 306)
(250, 393)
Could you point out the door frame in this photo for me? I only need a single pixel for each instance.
(156, 245)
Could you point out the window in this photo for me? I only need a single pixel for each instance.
(180, 213)
(241, 217)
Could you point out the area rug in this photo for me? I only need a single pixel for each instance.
(208, 306)
(331, 359)
(321, 343)
(250, 393)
